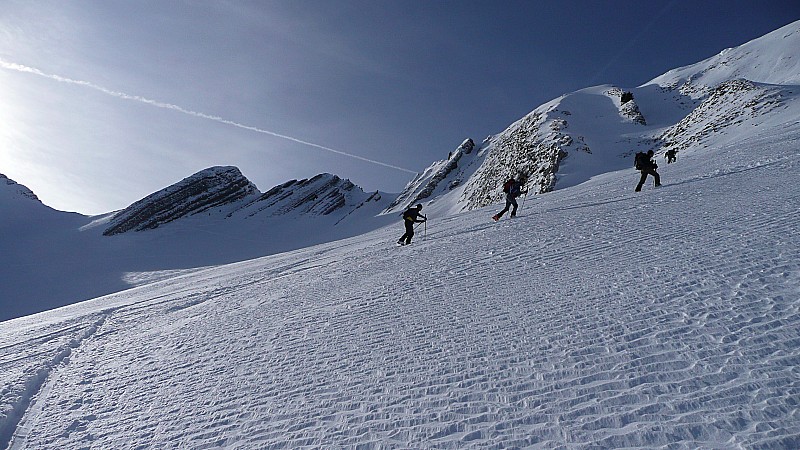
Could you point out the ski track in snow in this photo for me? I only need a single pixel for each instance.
(598, 318)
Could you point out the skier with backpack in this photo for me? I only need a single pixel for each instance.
(645, 164)
(513, 189)
(410, 217)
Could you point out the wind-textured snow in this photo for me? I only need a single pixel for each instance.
(599, 318)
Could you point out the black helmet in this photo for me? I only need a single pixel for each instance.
(419, 205)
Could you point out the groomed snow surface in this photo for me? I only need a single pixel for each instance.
(598, 318)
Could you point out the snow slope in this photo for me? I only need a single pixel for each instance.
(52, 258)
(217, 216)
(599, 318)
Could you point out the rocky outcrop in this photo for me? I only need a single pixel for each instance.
(440, 177)
(225, 192)
(729, 104)
(626, 104)
(210, 188)
(321, 195)
(532, 147)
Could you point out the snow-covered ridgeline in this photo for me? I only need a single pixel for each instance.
(770, 59)
(320, 195)
(439, 178)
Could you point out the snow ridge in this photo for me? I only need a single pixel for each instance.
(770, 59)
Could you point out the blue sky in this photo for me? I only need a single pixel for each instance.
(103, 102)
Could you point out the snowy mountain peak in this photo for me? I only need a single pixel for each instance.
(14, 189)
(227, 194)
(771, 59)
(209, 188)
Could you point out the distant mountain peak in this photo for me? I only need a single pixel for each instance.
(228, 193)
(17, 188)
(320, 195)
(209, 188)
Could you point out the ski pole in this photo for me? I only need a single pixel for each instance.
(526, 194)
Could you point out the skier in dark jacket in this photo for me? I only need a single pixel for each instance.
(410, 217)
(513, 189)
(647, 166)
(670, 156)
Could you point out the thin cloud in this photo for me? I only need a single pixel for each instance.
(25, 69)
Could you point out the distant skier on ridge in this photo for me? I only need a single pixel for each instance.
(670, 156)
(513, 189)
(410, 217)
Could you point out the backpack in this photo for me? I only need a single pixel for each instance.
(641, 161)
(410, 214)
(507, 187)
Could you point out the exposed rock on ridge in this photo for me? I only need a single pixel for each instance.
(225, 190)
(210, 188)
(321, 195)
(628, 109)
(729, 104)
(440, 177)
(528, 147)
(20, 189)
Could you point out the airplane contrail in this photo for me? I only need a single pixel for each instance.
(25, 69)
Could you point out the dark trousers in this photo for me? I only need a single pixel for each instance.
(406, 238)
(509, 202)
(645, 173)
